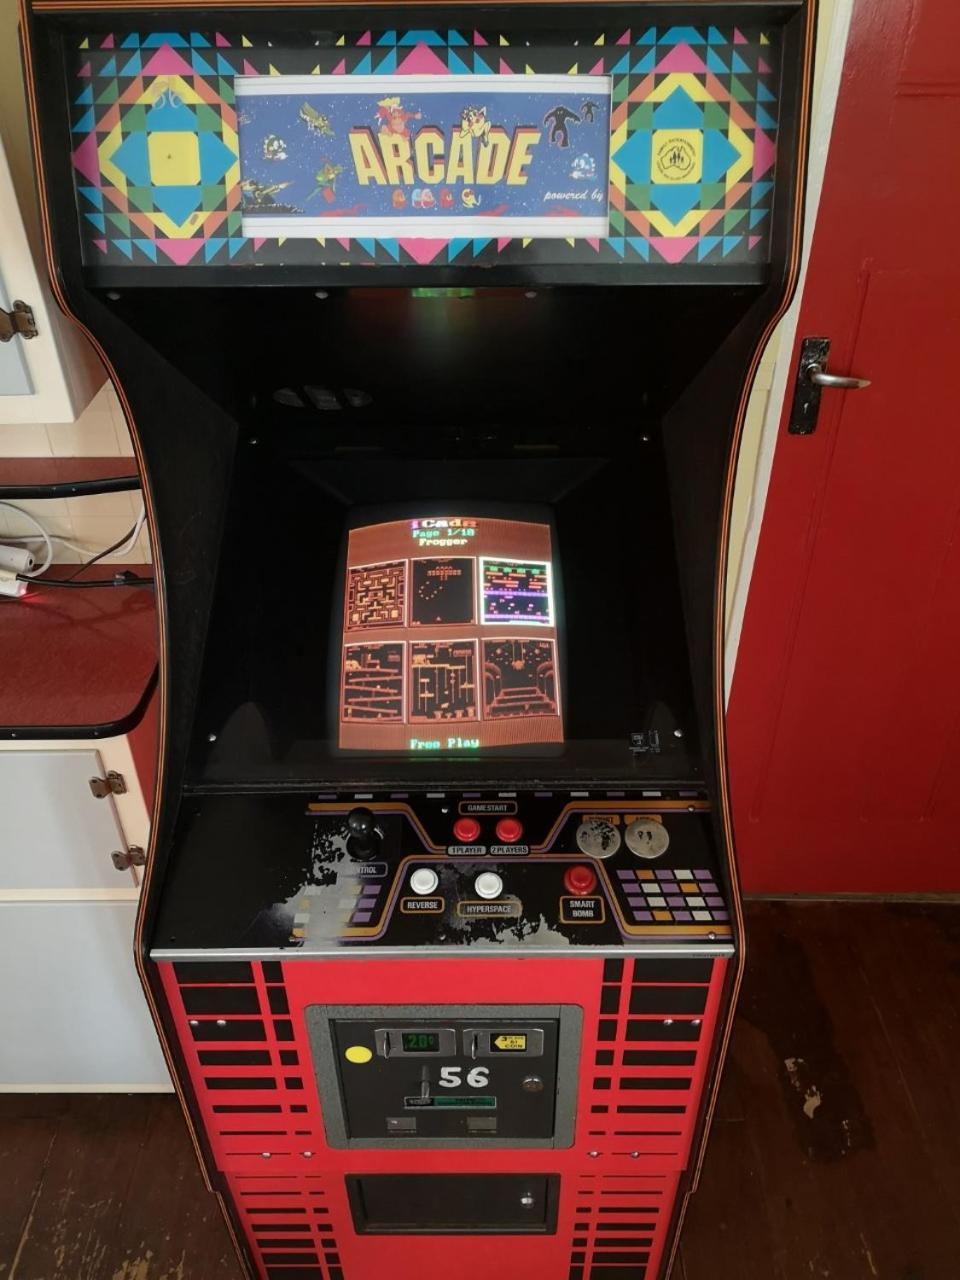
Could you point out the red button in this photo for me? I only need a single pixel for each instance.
(466, 830)
(509, 830)
(580, 880)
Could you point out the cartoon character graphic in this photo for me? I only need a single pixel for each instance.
(274, 148)
(393, 119)
(584, 167)
(258, 196)
(315, 122)
(399, 198)
(446, 198)
(474, 123)
(558, 119)
(326, 180)
(427, 200)
(469, 198)
(586, 111)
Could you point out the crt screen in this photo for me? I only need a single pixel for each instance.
(449, 637)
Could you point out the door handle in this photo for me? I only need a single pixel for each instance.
(812, 377)
(820, 378)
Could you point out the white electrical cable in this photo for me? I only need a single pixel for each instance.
(134, 533)
(47, 538)
(44, 536)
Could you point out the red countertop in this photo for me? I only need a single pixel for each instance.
(77, 660)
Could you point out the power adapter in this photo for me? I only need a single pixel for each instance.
(16, 559)
(10, 584)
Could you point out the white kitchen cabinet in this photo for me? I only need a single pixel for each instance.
(51, 377)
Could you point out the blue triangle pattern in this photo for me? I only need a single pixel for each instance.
(223, 66)
(682, 35)
(480, 68)
(705, 246)
(133, 66)
(93, 195)
(86, 98)
(198, 41)
(757, 216)
(85, 123)
(363, 67)
(109, 68)
(148, 247)
(98, 221)
(763, 93)
(646, 63)
(718, 155)
(730, 243)
(649, 36)
(616, 243)
(215, 158)
(716, 64)
(675, 201)
(759, 190)
(176, 202)
(389, 64)
(679, 111)
(391, 247)
(457, 65)
(200, 66)
(212, 246)
(368, 246)
(388, 37)
(157, 38)
(421, 37)
(132, 41)
(480, 245)
(455, 247)
(738, 64)
(764, 119)
(125, 247)
(640, 246)
(622, 68)
(235, 244)
(715, 37)
(454, 37)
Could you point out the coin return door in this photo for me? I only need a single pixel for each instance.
(444, 1077)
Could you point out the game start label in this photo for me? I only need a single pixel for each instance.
(424, 156)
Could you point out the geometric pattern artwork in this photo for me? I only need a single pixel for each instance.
(692, 149)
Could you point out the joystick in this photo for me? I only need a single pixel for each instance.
(363, 841)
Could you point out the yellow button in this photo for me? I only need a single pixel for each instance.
(358, 1053)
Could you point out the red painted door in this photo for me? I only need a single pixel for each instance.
(845, 707)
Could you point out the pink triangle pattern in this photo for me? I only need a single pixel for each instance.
(84, 71)
(167, 62)
(764, 153)
(505, 70)
(101, 245)
(220, 41)
(502, 244)
(597, 69)
(364, 39)
(248, 69)
(674, 250)
(423, 251)
(478, 38)
(763, 68)
(344, 243)
(421, 60)
(753, 241)
(594, 244)
(258, 243)
(680, 58)
(625, 38)
(341, 68)
(739, 37)
(86, 160)
(107, 42)
(180, 251)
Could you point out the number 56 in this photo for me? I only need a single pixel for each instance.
(477, 1077)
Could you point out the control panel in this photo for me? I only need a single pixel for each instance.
(436, 1076)
(545, 870)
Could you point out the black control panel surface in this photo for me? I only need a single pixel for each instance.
(543, 869)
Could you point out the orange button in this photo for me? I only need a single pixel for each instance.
(509, 830)
(466, 830)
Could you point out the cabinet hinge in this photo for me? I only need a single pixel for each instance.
(114, 784)
(124, 859)
(20, 320)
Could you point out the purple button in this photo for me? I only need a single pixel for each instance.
(707, 886)
(714, 902)
(703, 875)
(625, 875)
(371, 894)
(360, 917)
(682, 915)
(720, 915)
(675, 902)
(643, 915)
(664, 875)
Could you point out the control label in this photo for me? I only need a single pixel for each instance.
(467, 850)
(509, 850)
(370, 870)
(499, 807)
(582, 911)
(498, 910)
(422, 906)
(509, 1042)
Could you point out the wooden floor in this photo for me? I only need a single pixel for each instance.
(835, 1153)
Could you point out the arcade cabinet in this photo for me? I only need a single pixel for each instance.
(434, 329)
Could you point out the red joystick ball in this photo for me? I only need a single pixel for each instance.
(509, 830)
(466, 830)
(580, 880)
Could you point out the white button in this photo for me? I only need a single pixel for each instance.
(424, 880)
(488, 885)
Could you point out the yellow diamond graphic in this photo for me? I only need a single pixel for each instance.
(677, 156)
(174, 159)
